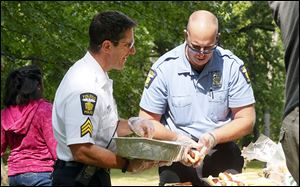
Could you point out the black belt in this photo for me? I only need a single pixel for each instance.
(62, 163)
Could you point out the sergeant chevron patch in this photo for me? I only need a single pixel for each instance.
(86, 128)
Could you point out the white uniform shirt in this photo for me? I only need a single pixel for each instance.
(84, 110)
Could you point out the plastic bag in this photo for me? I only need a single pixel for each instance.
(265, 150)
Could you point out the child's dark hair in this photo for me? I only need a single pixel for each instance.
(23, 85)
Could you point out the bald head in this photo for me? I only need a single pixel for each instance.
(202, 23)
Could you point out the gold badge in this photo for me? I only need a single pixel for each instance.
(88, 103)
(86, 128)
(216, 79)
(151, 76)
(245, 73)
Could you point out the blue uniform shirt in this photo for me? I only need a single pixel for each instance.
(193, 103)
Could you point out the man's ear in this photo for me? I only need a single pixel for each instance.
(218, 37)
(106, 45)
(185, 34)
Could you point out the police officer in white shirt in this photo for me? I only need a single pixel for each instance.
(85, 117)
(203, 91)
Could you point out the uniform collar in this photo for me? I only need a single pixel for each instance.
(101, 75)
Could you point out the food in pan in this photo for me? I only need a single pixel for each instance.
(242, 179)
(225, 179)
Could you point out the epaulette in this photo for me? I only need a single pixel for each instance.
(170, 58)
(228, 54)
(162, 60)
(225, 52)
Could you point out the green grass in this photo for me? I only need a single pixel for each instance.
(145, 178)
(150, 177)
(254, 166)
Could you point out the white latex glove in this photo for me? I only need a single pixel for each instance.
(188, 155)
(183, 156)
(207, 142)
(186, 141)
(142, 127)
(138, 165)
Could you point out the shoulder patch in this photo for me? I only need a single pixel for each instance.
(151, 76)
(88, 103)
(245, 73)
(86, 128)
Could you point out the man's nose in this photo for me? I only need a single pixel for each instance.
(132, 50)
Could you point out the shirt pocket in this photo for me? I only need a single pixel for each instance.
(181, 109)
(218, 105)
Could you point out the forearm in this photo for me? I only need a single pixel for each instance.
(123, 128)
(162, 133)
(97, 156)
(241, 125)
(233, 130)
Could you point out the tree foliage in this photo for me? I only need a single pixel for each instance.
(54, 35)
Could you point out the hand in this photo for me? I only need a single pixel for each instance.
(207, 142)
(142, 127)
(137, 165)
(195, 157)
(184, 140)
(188, 155)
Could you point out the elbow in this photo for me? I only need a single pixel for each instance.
(251, 118)
(251, 124)
(79, 157)
(79, 152)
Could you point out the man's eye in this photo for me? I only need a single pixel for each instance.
(128, 45)
(196, 47)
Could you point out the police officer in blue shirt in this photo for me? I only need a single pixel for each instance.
(203, 91)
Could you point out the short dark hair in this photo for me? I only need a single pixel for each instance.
(23, 85)
(108, 25)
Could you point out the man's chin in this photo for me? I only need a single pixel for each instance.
(200, 62)
(120, 68)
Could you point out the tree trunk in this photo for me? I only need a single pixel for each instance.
(267, 123)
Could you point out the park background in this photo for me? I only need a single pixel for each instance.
(54, 35)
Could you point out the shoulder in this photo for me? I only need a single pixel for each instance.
(44, 106)
(228, 56)
(80, 76)
(45, 102)
(169, 58)
(80, 68)
(232, 62)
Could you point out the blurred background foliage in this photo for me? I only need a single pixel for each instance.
(54, 35)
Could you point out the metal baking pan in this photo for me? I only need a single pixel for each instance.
(148, 149)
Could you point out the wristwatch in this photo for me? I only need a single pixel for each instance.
(124, 169)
